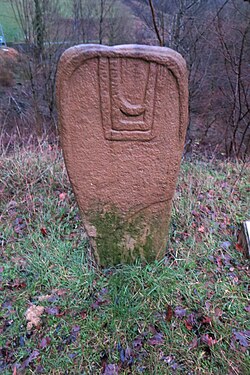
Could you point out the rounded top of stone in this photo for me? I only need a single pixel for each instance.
(160, 55)
(73, 58)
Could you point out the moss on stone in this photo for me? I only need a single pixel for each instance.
(110, 231)
(120, 240)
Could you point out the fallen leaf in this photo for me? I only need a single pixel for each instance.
(121, 351)
(60, 292)
(193, 344)
(190, 322)
(103, 291)
(45, 342)
(208, 305)
(170, 360)
(72, 355)
(234, 278)
(84, 314)
(99, 302)
(239, 247)
(74, 333)
(137, 343)
(206, 320)
(75, 329)
(111, 370)
(129, 356)
(11, 205)
(55, 293)
(19, 284)
(126, 355)
(169, 313)
(22, 341)
(188, 325)
(39, 370)
(52, 310)
(30, 359)
(219, 261)
(44, 231)
(201, 229)
(104, 358)
(152, 329)
(206, 339)
(180, 312)
(243, 337)
(33, 316)
(157, 339)
(227, 259)
(226, 245)
(19, 225)
(218, 312)
(16, 284)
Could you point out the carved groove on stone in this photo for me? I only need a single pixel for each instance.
(122, 120)
(76, 56)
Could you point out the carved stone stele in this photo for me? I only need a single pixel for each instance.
(122, 118)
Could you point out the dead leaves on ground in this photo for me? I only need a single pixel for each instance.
(33, 316)
(242, 338)
(133, 357)
(14, 284)
(101, 299)
(53, 296)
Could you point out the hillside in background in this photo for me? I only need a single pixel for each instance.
(65, 9)
(213, 37)
(12, 30)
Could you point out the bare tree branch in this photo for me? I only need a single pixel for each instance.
(160, 40)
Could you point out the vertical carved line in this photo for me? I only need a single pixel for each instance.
(115, 73)
(105, 95)
(149, 101)
(120, 103)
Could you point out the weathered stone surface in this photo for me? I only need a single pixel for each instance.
(122, 119)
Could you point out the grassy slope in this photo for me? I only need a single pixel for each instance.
(122, 320)
(10, 26)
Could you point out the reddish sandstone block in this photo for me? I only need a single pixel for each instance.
(122, 116)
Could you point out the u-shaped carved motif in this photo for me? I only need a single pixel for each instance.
(123, 120)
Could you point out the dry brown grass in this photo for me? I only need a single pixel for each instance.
(9, 59)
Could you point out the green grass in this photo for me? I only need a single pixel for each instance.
(91, 315)
(11, 28)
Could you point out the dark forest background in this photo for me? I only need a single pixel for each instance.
(212, 35)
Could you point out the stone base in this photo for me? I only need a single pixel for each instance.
(118, 239)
